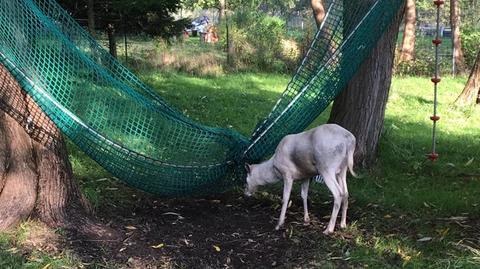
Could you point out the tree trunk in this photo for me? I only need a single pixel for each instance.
(408, 42)
(471, 91)
(458, 58)
(318, 11)
(112, 43)
(228, 36)
(35, 180)
(91, 16)
(360, 108)
(221, 11)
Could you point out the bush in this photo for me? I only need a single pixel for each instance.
(257, 41)
(423, 65)
(471, 46)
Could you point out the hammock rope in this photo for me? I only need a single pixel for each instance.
(433, 156)
(130, 130)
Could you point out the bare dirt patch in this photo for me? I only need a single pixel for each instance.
(227, 231)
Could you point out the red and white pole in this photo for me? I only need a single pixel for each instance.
(436, 79)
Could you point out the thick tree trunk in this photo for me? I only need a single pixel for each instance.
(19, 193)
(35, 181)
(360, 108)
(318, 11)
(408, 42)
(91, 16)
(471, 92)
(112, 43)
(458, 58)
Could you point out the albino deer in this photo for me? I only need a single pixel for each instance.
(326, 150)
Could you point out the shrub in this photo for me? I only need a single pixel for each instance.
(471, 45)
(423, 65)
(257, 41)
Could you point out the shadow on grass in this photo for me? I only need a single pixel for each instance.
(403, 200)
(392, 208)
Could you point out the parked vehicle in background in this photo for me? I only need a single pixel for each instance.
(198, 25)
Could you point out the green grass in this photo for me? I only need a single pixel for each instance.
(235, 101)
(417, 196)
(402, 199)
(404, 189)
(20, 248)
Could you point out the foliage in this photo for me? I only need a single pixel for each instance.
(423, 65)
(148, 16)
(204, 4)
(266, 6)
(257, 40)
(471, 46)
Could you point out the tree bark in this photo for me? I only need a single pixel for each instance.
(458, 58)
(35, 180)
(228, 36)
(91, 16)
(18, 196)
(112, 43)
(318, 11)
(360, 108)
(408, 42)
(471, 92)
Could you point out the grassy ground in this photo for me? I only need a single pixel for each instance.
(405, 212)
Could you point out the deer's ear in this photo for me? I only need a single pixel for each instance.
(247, 168)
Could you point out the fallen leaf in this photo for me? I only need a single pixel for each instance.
(130, 227)
(13, 250)
(403, 254)
(217, 248)
(424, 239)
(111, 189)
(158, 246)
(173, 214)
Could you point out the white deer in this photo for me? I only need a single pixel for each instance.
(326, 151)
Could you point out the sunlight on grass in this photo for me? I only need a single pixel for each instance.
(33, 245)
(403, 200)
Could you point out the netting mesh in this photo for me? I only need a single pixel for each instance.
(132, 132)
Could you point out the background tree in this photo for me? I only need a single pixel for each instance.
(360, 108)
(112, 43)
(471, 91)
(408, 41)
(318, 11)
(221, 10)
(91, 16)
(148, 16)
(458, 58)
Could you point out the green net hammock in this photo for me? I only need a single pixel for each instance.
(127, 128)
